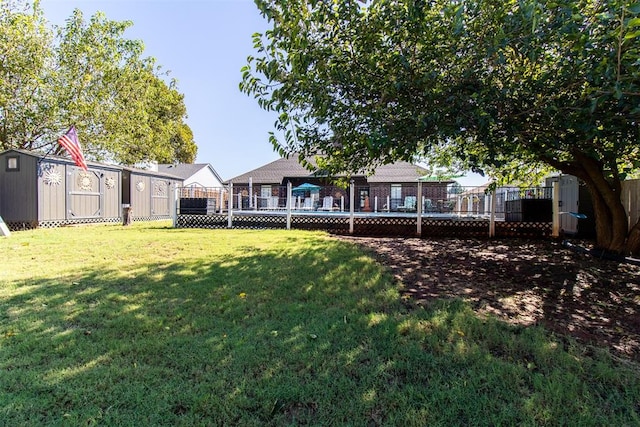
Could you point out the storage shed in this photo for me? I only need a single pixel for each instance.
(149, 194)
(50, 191)
(38, 191)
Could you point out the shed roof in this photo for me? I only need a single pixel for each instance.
(53, 157)
(45, 156)
(151, 173)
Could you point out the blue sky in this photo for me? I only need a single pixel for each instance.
(204, 43)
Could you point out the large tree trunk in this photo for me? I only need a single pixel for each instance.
(633, 241)
(611, 219)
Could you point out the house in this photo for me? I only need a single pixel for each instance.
(38, 190)
(200, 184)
(391, 187)
(194, 176)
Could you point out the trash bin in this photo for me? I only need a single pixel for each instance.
(127, 214)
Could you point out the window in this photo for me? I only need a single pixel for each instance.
(396, 191)
(266, 200)
(396, 196)
(13, 164)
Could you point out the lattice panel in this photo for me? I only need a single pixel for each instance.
(257, 221)
(373, 226)
(454, 228)
(151, 218)
(327, 223)
(202, 221)
(384, 226)
(523, 229)
(21, 225)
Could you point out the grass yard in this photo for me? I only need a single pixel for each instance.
(149, 325)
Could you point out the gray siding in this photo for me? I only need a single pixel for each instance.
(51, 191)
(84, 193)
(18, 189)
(151, 196)
(112, 194)
(140, 195)
(160, 196)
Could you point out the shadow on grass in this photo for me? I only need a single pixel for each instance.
(317, 335)
(524, 282)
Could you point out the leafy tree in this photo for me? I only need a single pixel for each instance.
(184, 148)
(25, 68)
(87, 74)
(501, 86)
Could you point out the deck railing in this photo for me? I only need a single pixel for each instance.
(414, 210)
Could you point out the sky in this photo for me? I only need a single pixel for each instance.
(204, 44)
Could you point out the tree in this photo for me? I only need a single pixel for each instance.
(87, 74)
(25, 69)
(184, 148)
(489, 84)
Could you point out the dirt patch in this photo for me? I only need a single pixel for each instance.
(523, 282)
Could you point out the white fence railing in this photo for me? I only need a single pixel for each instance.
(428, 200)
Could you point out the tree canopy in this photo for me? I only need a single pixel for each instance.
(503, 86)
(87, 74)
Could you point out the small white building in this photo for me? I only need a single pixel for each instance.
(195, 176)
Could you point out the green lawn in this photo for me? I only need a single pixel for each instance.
(148, 325)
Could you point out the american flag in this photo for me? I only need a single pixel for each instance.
(70, 143)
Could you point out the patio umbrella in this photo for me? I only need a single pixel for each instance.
(305, 187)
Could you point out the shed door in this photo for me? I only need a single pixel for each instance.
(159, 197)
(84, 199)
(569, 203)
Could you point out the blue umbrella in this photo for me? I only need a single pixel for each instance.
(305, 187)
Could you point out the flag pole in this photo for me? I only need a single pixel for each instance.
(53, 145)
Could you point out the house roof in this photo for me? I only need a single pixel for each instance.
(397, 172)
(274, 172)
(277, 170)
(187, 170)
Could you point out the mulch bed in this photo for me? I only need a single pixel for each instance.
(523, 282)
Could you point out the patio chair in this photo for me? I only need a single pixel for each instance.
(410, 204)
(272, 202)
(428, 206)
(308, 203)
(327, 203)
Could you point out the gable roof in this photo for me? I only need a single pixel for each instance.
(397, 172)
(276, 171)
(186, 170)
(52, 157)
(91, 164)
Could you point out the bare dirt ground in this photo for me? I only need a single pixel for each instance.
(523, 282)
